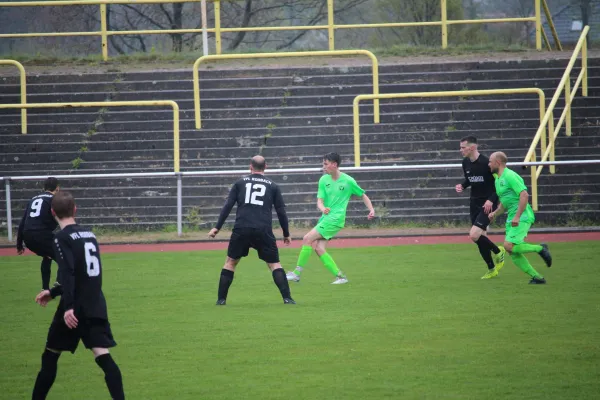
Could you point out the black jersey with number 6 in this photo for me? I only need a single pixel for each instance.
(80, 272)
(255, 196)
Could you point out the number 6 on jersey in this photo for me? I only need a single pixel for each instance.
(93, 264)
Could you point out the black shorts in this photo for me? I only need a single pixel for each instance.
(478, 217)
(94, 332)
(41, 243)
(262, 240)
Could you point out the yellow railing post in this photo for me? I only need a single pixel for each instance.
(356, 123)
(23, 83)
(103, 29)
(143, 103)
(331, 25)
(200, 60)
(359, 98)
(584, 67)
(218, 30)
(534, 191)
(550, 136)
(567, 107)
(444, 24)
(542, 98)
(538, 26)
(552, 27)
(217, 8)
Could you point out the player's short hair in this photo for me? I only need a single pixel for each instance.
(469, 139)
(501, 157)
(50, 184)
(258, 165)
(333, 157)
(63, 204)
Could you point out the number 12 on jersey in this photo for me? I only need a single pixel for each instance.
(254, 193)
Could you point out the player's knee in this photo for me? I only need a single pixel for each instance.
(508, 247)
(307, 240)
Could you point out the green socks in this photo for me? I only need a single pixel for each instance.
(527, 248)
(521, 261)
(302, 259)
(327, 260)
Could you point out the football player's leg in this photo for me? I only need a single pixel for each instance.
(304, 255)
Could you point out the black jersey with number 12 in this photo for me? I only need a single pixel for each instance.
(255, 196)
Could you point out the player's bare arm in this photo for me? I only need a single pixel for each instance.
(499, 211)
(367, 202)
(321, 206)
(523, 200)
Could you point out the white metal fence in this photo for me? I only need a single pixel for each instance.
(180, 175)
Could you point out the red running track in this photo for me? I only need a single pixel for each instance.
(339, 243)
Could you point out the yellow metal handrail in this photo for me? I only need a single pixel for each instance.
(23, 83)
(170, 103)
(331, 27)
(367, 53)
(455, 93)
(552, 28)
(565, 84)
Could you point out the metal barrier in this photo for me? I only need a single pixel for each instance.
(180, 175)
(331, 27)
(358, 99)
(285, 55)
(23, 84)
(565, 84)
(170, 103)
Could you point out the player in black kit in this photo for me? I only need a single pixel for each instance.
(37, 227)
(483, 200)
(255, 196)
(81, 313)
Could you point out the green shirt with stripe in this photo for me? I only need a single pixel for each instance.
(509, 187)
(336, 195)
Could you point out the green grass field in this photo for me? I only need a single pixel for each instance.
(416, 322)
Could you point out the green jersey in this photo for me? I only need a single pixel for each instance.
(336, 195)
(509, 187)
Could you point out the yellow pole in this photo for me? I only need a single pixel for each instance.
(356, 119)
(147, 103)
(538, 26)
(23, 82)
(445, 25)
(196, 83)
(552, 27)
(534, 197)
(567, 107)
(196, 67)
(175, 134)
(330, 25)
(584, 67)
(542, 100)
(218, 26)
(103, 29)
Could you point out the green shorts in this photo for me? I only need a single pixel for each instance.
(328, 229)
(516, 234)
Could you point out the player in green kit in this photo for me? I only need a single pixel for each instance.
(514, 198)
(335, 190)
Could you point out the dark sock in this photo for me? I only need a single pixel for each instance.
(282, 283)
(491, 245)
(112, 376)
(485, 252)
(225, 282)
(45, 268)
(46, 376)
